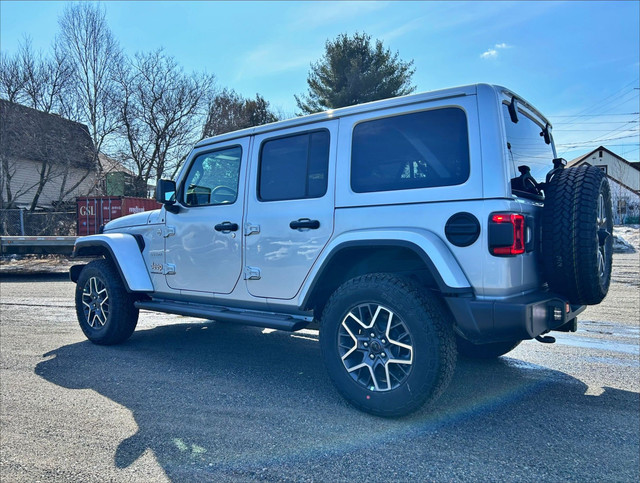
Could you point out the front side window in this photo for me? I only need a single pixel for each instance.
(294, 167)
(419, 150)
(213, 178)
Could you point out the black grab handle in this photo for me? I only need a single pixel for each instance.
(226, 226)
(304, 223)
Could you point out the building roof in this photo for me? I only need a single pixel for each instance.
(584, 160)
(110, 165)
(577, 160)
(29, 134)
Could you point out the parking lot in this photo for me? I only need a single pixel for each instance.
(187, 400)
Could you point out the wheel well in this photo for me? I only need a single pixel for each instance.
(93, 251)
(96, 251)
(354, 261)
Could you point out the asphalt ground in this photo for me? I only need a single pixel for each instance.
(185, 400)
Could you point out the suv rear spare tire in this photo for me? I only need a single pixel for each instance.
(577, 241)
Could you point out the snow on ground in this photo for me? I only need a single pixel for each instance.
(630, 235)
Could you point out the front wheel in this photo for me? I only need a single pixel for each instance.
(104, 308)
(386, 344)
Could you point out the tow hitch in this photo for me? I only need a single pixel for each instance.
(545, 339)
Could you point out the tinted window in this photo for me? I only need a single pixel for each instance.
(213, 178)
(418, 150)
(294, 167)
(526, 146)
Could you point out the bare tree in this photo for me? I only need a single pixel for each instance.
(46, 78)
(87, 42)
(161, 112)
(12, 79)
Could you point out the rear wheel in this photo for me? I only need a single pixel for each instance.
(104, 308)
(491, 350)
(386, 344)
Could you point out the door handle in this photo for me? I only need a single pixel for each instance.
(226, 226)
(304, 223)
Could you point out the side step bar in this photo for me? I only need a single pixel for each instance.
(223, 314)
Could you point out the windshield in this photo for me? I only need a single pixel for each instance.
(526, 146)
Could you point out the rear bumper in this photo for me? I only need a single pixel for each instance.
(516, 318)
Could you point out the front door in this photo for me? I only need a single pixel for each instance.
(289, 207)
(203, 248)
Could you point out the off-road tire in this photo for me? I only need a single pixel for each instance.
(431, 337)
(113, 319)
(492, 350)
(577, 241)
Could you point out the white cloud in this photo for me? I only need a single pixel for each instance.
(489, 54)
(493, 53)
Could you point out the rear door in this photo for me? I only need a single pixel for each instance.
(289, 207)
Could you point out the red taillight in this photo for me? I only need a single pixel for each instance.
(518, 241)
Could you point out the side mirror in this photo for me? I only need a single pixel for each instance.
(166, 194)
(166, 191)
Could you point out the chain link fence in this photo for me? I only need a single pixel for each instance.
(37, 223)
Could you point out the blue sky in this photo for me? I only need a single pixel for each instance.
(568, 58)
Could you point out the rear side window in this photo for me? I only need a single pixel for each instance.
(418, 150)
(294, 167)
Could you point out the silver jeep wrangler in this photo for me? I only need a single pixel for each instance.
(411, 230)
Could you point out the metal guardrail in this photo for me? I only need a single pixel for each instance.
(41, 245)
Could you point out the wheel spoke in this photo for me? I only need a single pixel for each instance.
(353, 316)
(372, 375)
(374, 319)
(95, 299)
(397, 343)
(601, 262)
(355, 342)
(103, 319)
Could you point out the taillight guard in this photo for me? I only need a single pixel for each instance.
(507, 234)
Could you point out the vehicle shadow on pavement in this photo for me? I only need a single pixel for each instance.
(216, 400)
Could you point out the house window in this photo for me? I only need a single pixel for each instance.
(603, 167)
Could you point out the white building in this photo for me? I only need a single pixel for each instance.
(624, 179)
(45, 160)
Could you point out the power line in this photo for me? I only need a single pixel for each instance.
(596, 141)
(601, 115)
(595, 122)
(585, 130)
(602, 101)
